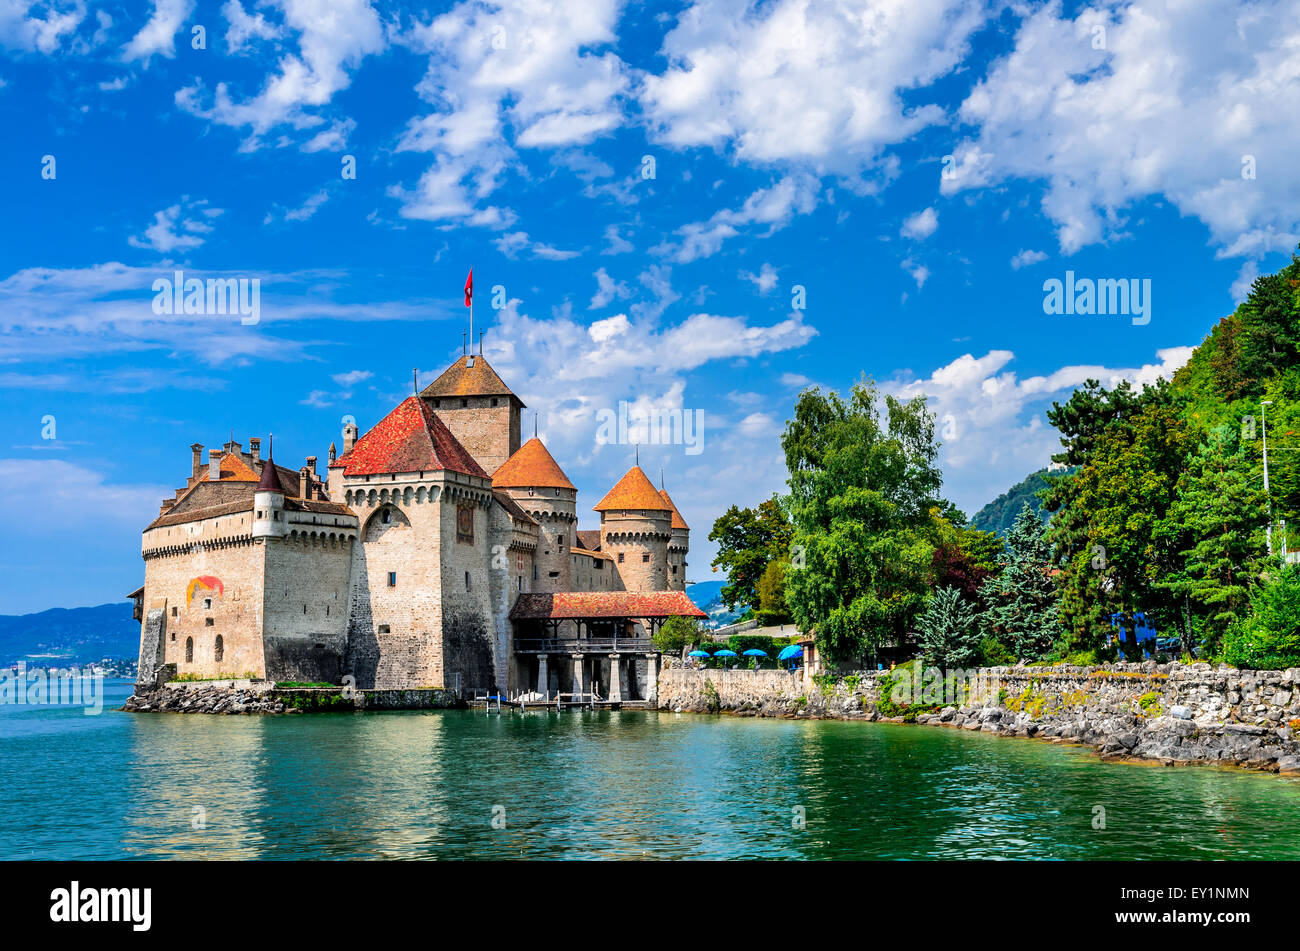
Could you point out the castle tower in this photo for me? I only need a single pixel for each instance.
(635, 529)
(536, 482)
(479, 409)
(678, 545)
(268, 501)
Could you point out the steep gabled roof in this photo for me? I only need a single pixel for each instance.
(464, 379)
(409, 439)
(678, 521)
(633, 491)
(589, 539)
(531, 466)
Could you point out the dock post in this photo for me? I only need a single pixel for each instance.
(615, 678)
(543, 674)
(652, 679)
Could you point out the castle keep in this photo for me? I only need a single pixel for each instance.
(437, 552)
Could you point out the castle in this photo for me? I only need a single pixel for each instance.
(437, 552)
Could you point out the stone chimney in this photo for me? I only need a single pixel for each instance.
(196, 461)
(311, 464)
(255, 447)
(304, 483)
(214, 465)
(349, 437)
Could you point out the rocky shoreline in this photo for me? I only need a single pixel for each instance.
(204, 699)
(1170, 714)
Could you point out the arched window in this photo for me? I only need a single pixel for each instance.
(189, 650)
(219, 650)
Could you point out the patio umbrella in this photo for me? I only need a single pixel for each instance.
(790, 653)
(698, 654)
(755, 652)
(725, 653)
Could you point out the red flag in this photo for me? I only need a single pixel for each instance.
(469, 287)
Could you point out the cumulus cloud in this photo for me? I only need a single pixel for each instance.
(333, 38)
(998, 433)
(607, 290)
(1123, 102)
(805, 81)
(764, 280)
(158, 36)
(525, 74)
(920, 225)
(38, 27)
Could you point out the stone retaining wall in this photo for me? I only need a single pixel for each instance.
(1171, 713)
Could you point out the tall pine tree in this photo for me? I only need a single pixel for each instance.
(1022, 609)
(949, 635)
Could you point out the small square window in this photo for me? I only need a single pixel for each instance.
(620, 558)
(645, 557)
(383, 629)
(207, 604)
(173, 610)
(208, 622)
(392, 579)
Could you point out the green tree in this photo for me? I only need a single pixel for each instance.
(772, 608)
(748, 539)
(676, 634)
(860, 500)
(949, 635)
(1129, 449)
(1022, 610)
(1269, 637)
(1217, 524)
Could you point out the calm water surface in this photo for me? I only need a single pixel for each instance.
(599, 785)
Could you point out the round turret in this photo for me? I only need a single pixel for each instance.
(635, 529)
(534, 480)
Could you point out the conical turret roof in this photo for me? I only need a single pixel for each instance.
(678, 521)
(633, 491)
(532, 466)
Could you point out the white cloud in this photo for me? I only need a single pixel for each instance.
(308, 207)
(921, 225)
(774, 207)
(179, 228)
(244, 27)
(764, 280)
(527, 70)
(158, 36)
(615, 243)
(1000, 432)
(333, 37)
(805, 81)
(1025, 258)
(1245, 278)
(38, 27)
(607, 290)
(1173, 105)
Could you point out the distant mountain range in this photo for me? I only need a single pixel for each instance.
(1000, 514)
(707, 596)
(70, 636)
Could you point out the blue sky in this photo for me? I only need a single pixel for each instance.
(918, 168)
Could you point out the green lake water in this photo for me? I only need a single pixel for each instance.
(584, 785)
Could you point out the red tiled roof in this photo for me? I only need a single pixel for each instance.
(678, 521)
(531, 466)
(589, 539)
(233, 469)
(461, 379)
(633, 491)
(409, 439)
(604, 604)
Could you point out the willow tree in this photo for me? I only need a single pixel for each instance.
(861, 492)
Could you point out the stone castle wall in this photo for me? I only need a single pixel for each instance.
(308, 599)
(231, 610)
